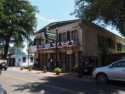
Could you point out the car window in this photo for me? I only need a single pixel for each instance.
(119, 64)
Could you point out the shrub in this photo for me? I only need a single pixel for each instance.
(30, 66)
(21, 68)
(57, 70)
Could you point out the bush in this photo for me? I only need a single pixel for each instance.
(30, 66)
(21, 68)
(57, 70)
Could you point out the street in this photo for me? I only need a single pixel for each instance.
(21, 82)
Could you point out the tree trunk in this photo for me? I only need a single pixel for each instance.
(6, 47)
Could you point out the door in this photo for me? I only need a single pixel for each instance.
(117, 71)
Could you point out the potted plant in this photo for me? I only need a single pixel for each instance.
(21, 68)
(57, 70)
(30, 67)
(44, 69)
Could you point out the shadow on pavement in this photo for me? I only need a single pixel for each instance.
(60, 85)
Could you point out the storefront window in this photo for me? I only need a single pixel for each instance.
(31, 59)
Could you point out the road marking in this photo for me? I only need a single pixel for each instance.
(23, 79)
(47, 85)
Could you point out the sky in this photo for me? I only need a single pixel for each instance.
(52, 11)
(56, 10)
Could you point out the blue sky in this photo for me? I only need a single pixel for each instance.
(53, 10)
(56, 10)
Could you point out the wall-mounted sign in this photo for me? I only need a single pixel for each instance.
(49, 51)
(47, 45)
(12, 50)
(51, 36)
(33, 48)
(69, 51)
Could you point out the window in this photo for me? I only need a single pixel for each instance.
(74, 35)
(31, 59)
(24, 59)
(68, 35)
(100, 41)
(111, 43)
(60, 37)
(118, 46)
(65, 37)
(119, 64)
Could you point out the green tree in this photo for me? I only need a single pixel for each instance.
(111, 12)
(17, 22)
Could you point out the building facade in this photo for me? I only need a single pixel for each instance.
(74, 42)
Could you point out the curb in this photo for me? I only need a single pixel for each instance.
(52, 74)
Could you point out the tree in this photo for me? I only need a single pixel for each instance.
(17, 22)
(111, 12)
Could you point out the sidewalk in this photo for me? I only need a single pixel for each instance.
(52, 74)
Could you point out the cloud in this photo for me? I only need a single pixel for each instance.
(45, 19)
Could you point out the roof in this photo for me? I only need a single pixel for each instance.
(56, 25)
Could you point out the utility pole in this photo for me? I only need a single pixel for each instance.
(56, 46)
(28, 54)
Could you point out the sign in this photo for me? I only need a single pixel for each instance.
(69, 51)
(12, 50)
(19, 51)
(50, 36)
(47, 45)
(33, 48)
(49, 51)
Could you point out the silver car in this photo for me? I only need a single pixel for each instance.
(2, 91)
(114, 71)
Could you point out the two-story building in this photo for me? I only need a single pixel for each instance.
(74, 42)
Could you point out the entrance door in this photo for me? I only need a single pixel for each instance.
(67, 63)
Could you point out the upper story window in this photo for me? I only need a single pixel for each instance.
(59, 37)
(64, 37)
(111, 43)
(37, 41)
(101, 41)
(119, 47)
(74, 35)
(68, 35)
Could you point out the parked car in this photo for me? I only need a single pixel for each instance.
(3, 64)
(114, 71)
(2, 91)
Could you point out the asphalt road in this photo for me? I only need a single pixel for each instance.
(16, 82)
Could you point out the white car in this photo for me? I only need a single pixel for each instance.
(2, 91)
(114, 71)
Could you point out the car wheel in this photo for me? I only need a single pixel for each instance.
(102, 78)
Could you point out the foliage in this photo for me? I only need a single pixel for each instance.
(57, 70)
(30, 66)
(111, 12)
(18, 21)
